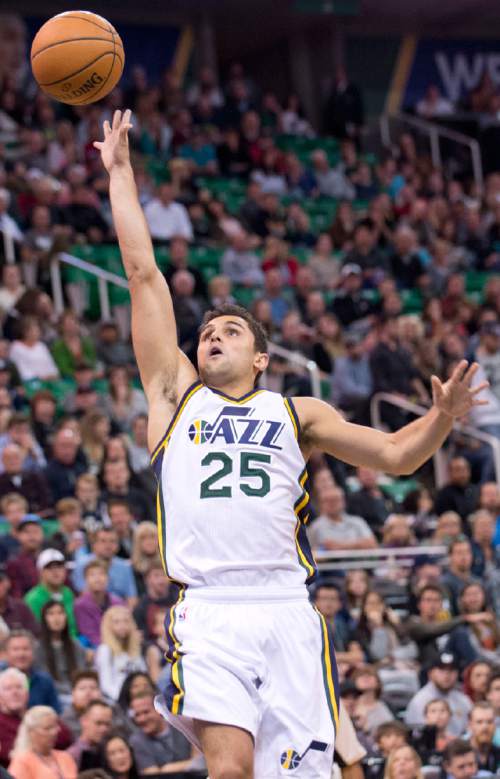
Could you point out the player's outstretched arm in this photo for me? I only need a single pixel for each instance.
(395, 453)
(165, 371)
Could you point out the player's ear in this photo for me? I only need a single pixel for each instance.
(261, 361)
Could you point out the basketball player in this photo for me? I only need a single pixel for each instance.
(253, 680)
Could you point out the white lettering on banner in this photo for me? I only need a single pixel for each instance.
(457, 74)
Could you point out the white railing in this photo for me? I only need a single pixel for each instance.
(303, 362)
(436, 133)
(440, 460)
(104, 278)
(400, 557)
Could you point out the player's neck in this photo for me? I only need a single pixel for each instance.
(235, 389)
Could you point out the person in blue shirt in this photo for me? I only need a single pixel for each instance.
(19, 653)
(120, 573)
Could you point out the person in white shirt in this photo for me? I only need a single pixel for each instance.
(12, 288)
(166, 218)
(7, 223)
(334, 528)
(30, 355)
(434, 104)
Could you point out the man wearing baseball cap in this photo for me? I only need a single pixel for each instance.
(52, 570)
(443, 676)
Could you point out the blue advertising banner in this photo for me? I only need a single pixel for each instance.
(455, 66)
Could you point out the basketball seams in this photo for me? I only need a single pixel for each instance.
(94, 94)
(110, 29)
(69, 40)
(76, 73)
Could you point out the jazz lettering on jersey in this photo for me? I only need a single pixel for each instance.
(237, 426)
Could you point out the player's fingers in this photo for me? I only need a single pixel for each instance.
(126, 117)
(106, 127)
(459, 371)
(469, 375)
(480, 402)
(436, 385)
(484, 385)
(98, 145)
(117, 117)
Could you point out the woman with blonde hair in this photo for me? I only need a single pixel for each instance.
(95, 428)
(119, 652)
(34, 756)
(403, 763)
(144, 553)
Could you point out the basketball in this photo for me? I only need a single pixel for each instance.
(77, 57)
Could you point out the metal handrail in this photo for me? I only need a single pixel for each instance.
(435, 132)
(341, 560)
(460, 427)
(105, 277)
(299, 359)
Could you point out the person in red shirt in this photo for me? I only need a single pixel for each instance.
(276, 255)
(21, 569)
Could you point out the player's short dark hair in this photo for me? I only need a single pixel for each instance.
(456, 748)
(230, 309)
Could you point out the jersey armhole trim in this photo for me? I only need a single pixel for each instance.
(289, 405)
(175, 417)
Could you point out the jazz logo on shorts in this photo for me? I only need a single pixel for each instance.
(236, 426)
(291, 759)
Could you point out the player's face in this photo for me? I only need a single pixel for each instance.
(226, 352)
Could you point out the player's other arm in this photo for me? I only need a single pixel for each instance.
(165, 371)
(396, 453)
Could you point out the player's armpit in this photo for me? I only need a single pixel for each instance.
(323, 428)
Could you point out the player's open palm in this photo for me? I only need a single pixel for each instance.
(456, 396)
(114, 148)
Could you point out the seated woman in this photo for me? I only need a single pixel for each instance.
(144, 553)
(403, 763)
(72, 347)
(382, 638)
(57, 653)
(34, 756)
(30, 354)
(118, 758)
(123, 402)
(482, 629)
(476, 680)
(369, 710)
(119, 652)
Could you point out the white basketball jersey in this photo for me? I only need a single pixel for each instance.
(232, 496)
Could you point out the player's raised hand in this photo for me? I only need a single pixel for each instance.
(114, 148)
(456, 397)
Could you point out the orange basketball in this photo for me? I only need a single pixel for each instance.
(77, 57)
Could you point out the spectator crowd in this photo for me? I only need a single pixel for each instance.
(382, 270)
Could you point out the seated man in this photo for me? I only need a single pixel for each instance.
(95, 724)
(13, 507)
(459, 760)
(85, 688)
(431, 633)
(156, 744)
(336, 529)
(482, 733)
(52, 568)
(443, 677)
(93, 602)
(22, 568)
(14, 693)
(19, 653)
(120, 574)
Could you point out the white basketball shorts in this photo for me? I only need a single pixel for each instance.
(262, 660)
